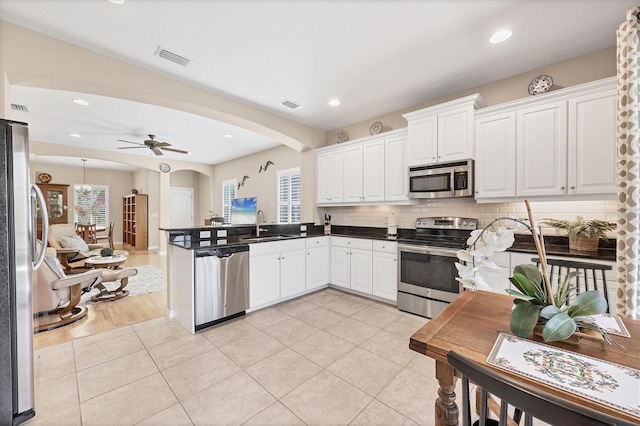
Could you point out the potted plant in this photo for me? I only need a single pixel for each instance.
(584, 235)
(537, 303)
(106, 252)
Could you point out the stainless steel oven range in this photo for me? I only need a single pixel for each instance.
(426, 271)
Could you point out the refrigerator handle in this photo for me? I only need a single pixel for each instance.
(45, 227)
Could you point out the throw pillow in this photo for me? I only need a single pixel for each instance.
(55, 266)
(74, 242)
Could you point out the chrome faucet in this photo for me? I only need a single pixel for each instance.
(258, 222)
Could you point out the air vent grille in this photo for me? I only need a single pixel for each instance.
(290, 104)
(173, 57)
(21, 108)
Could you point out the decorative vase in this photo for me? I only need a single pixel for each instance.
(582, 243)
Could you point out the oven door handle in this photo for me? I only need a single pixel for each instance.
(427, 250)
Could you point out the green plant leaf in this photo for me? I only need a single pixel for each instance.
(531, 272)
(519, 295)
(563, 291)
(548, 311)
(559, 327)
(587, 303)
(524, 318)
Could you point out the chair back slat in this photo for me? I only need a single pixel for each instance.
(592, 275)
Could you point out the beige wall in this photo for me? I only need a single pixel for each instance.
(568, 73)
(263, 185)
(120, 183)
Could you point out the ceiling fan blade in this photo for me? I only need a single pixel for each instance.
(156, 151)
(122, 140)
(176, 150)
(163, 144)
(131, 147)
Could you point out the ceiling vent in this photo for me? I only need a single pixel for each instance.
(173, 57)
(21, 108)
(290, 104)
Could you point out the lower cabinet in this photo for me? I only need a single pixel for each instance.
(276, 270)
(317, 262)
(351, 260)
(385, 270)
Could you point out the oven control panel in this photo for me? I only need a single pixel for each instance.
(447, 223)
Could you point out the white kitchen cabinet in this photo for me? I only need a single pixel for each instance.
(541, 149)
(395, 168)
(592, 143)
(317, 262)
(442, 132)
(330, 176)
(495, 171)
(385, 270)
(276, 271)
(351, 260)
(353, 173)
(264, 279)
(373, 170)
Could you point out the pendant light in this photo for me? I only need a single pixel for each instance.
(84, 188)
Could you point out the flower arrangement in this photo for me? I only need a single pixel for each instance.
(537, 302)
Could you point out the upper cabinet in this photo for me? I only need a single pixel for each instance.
(559, 144)
(367, 170)
(442, 132)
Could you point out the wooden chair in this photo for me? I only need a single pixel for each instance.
(87, 232)
(545, 406)
(593, 276)
(108, 237)
(72, 256)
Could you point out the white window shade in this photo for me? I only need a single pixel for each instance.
(91, 206)
(228, 194)
(289, 210)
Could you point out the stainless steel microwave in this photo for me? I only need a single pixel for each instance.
(442, 180)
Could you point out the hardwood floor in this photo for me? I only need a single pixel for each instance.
(107, 316)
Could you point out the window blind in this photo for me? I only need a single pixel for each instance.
(228, 194)
(289, 210)
(92, 207)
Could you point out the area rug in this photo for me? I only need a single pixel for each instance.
(148, 280)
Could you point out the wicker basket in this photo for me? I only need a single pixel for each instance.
(582, 243)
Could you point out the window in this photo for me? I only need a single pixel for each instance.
(228, 194)
(92, 206)
(289, 196)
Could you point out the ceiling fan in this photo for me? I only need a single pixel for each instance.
(153, 145)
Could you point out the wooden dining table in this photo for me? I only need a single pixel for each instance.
(85, 232)
(470, 326)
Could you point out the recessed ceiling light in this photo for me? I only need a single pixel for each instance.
(81, 102)
(334, 102)
(500, 36)
(228, 136)
(75, 135)
(116, 1)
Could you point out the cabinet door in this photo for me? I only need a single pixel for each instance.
(353, 173)
(385, 275)
(455, 134)
(495, 165)
(337, 176)
(395, 169)
(423, 141)
(317, 267)
(373, 171)
(264, 279)
(292, 273)
(323, 177)
(592, 144)
(542, 150)
(361, 261)
(341, 266)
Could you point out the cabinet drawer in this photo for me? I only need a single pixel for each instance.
(385, 246)
(316, 242)
(358, 243)
(257, 249)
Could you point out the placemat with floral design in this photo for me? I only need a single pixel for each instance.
(607, 383)
(610, 323)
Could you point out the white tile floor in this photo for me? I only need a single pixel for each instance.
(326, 358)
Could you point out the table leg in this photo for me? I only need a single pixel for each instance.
(446, 408)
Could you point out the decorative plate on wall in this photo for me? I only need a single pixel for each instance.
(540, 84)
(375, 128)
(342, 136)
(44, 177)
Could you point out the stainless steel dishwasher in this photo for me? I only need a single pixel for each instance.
(221, 284)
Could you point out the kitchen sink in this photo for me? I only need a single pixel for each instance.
(270, 238)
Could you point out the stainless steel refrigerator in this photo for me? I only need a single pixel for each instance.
(18, 260)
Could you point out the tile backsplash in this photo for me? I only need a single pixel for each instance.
(377, 216)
